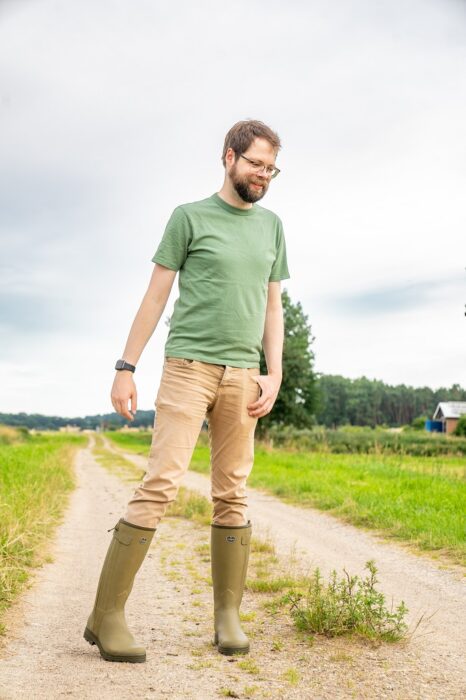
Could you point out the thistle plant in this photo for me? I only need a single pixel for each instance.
(347, 606)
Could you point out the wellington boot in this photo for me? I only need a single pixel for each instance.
(106, 625)
(229, 557)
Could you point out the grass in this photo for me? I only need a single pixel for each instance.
(291, 675)
(137, 442)
(419, 500)
(36, 477)
(248, 665)
(115, 463)
(266, 584)
(192, 506)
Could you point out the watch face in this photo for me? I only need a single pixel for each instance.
(120, 364)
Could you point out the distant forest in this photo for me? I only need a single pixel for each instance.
(370, 402)
(340, 401)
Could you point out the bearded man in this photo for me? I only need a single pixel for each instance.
(231, 257)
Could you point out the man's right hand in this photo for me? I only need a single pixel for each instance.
(123, 392)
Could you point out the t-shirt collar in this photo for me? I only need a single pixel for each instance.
(233, 210)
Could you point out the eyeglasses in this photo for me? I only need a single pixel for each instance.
(270, 170)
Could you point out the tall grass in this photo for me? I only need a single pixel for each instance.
(35, 479)
(358, 440)
(12, 436)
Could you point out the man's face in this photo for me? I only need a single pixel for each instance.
(252, 184)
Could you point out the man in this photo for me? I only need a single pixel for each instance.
(230, 254)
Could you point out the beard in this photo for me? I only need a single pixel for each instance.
(243, 187)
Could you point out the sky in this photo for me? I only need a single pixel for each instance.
(114, 112)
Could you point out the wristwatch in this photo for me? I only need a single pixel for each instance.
(121, 364)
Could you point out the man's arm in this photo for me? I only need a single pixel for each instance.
(144, 324)
(272, 342)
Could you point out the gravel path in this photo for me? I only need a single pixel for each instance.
(170, 609)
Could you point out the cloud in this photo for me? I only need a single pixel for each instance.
(398, 298)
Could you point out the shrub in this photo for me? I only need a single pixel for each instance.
(366, 441)
(12, 436)
(460, 429)
(419, 423)
(350, 606)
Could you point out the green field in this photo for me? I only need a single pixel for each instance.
(35, 479)
(420, 500)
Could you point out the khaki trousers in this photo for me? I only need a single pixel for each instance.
(189, 392)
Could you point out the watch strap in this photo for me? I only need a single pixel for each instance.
(122, 364)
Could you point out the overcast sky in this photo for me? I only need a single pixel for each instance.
(113, 112)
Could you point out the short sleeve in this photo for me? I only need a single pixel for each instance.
(280, 266)
(173, 248)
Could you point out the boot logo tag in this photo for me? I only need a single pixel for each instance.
(231, 538)
(143, 540)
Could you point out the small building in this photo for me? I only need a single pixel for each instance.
(448, 413)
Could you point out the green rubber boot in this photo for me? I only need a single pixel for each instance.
(229, 557)
(106, 626)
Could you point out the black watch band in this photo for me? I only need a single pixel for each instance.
(121, 364)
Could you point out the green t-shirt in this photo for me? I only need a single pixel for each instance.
(226, 257)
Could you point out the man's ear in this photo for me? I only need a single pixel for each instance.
(230, 156)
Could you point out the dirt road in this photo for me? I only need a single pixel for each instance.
(170, 611)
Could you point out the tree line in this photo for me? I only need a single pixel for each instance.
(102, 421)
(369, 402)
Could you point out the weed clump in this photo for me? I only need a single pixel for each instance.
(349, 606)
(192, 506)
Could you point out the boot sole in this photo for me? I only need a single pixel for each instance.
(93, 640)
(229, 651)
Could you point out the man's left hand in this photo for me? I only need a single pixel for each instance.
(270, 385)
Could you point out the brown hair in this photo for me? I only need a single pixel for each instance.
(242, 134)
